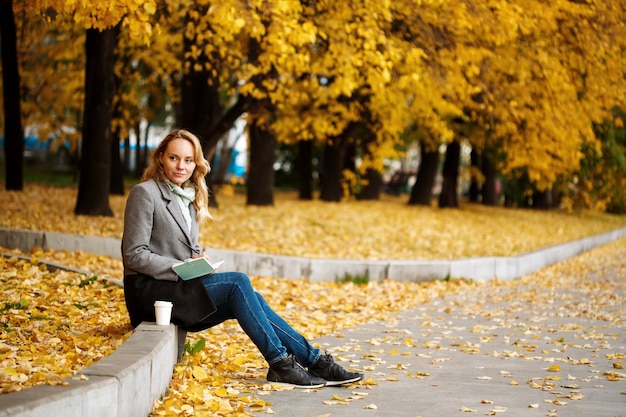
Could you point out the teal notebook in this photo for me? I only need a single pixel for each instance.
(194, 268)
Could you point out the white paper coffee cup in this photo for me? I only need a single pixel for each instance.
(163, 312)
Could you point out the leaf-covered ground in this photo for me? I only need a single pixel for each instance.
(76, 320)
(53, 324)
(377, 230)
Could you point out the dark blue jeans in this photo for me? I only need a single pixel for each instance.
(235, 298)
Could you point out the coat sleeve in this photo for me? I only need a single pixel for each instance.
(137, 240)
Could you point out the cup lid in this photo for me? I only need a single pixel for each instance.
(159, 303)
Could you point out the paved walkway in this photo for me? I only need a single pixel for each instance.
(550, 344)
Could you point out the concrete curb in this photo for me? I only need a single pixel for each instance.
(127, 382)
(482, 268)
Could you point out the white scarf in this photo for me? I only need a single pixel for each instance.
(184, 197)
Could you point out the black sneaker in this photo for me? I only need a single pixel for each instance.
(289, 371)
(326, 368)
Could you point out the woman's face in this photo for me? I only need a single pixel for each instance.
(178, 161)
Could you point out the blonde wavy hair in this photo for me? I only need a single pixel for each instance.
(197, 180)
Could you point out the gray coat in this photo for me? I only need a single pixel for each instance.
(155, 237)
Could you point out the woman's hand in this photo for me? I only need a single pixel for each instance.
(202, 255)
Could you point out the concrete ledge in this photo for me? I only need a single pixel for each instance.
(96, 397)
(125, 383)
(479, 269)
(25, 240)
(482, 268)
(338, 269)
(21, 239)
(418, 271)
(474, 268)
(91, 244)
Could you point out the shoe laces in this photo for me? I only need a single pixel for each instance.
(324, 361)
(293, 362)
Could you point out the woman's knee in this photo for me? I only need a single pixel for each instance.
(231, 280)
(240, 280)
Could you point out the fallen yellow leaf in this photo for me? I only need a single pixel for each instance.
(370, 381)
(467, 410)
(199, 373)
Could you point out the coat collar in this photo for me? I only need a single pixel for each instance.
(174, 208)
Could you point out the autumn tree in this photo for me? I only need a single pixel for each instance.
(286, 65)
(96, 154)
(103, 25)
(532, 100)
(363, 73)
(601, 180)
(149, 73)
(248, 50)
(51, 52)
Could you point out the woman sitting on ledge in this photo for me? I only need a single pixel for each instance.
(161, 227)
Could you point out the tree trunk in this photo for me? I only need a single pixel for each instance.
(449, 195)
(474, 190)
(95, 161)
(200, 105)
(332, 166)
(226, 156)
(371, 180)
(13, 133)
(305, 169)
(200, 101)
(261, 167)
(421, 194)
(543, 199)
(139, 161)
(197, 104)
(117, 170)
(197, 107)
(371, 190)
(489, 192)
(126, 160)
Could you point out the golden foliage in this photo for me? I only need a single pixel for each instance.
(530, 77)
(48, 53)
(99, 15)
(54, 324)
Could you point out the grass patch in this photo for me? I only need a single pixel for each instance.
(20, 305)
(87, 281)
(357, 279)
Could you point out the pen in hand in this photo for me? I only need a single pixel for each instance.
(197, 253)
